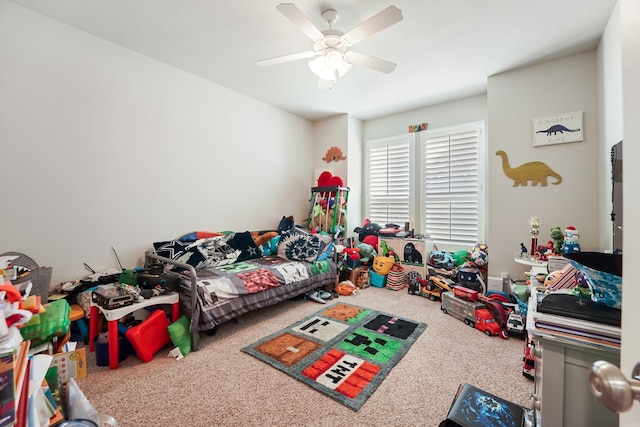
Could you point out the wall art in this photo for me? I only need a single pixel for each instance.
(557, 129)
(536, 172)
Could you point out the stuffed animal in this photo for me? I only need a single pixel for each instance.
(558, 239)
(441, 259)
(346, 288)
(286, 224)
(368, 233)
(367, 253)
(271, 247)
(264, 238)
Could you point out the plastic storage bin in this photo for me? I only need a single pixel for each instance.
(52, 322)
(377, 280)
(102, 349)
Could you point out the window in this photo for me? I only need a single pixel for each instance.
(441, 193)
(389, 180)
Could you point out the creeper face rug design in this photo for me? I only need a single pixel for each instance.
(371, 345)
(343, 351)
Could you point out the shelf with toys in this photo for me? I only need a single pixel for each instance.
(328, 206)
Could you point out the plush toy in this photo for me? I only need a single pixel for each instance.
(460, 257)
(368, 233)
(441, 259)
(351, 257)
(367, 253)
(286, 224)
(558, 239)
(571, 237)
(264, 238)
(271, 247)
(346, 288)
(479, 258)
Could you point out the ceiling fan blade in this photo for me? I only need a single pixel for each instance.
(386, 18)
(287, 58)
(370, 62)
(297, 17)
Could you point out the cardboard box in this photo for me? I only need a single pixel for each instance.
(359, 276)
(72, 364)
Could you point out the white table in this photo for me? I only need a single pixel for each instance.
(114, 315)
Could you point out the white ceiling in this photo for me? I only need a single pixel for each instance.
(444, 49)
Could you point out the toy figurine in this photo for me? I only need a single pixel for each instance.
(571, 237)
(523, 250)
(558, 240)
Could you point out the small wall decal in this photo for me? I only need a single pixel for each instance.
(334, 154)
(557, 129)
(418, 128)
(536, 172)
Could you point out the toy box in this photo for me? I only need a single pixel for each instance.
(413, 254)
(359, 276)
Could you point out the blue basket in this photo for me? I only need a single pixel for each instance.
(377, 280)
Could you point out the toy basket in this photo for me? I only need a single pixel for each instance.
(396, 277)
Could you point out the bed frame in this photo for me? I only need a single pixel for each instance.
(236, 307)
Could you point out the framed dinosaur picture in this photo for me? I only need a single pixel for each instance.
(557, 129)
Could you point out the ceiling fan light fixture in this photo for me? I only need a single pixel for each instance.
(320, 69)
(333, 58)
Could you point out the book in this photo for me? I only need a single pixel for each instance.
(474, 407)
(7, 388)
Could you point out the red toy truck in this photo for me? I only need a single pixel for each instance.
(471, 313)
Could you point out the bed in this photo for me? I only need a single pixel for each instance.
(226, 276)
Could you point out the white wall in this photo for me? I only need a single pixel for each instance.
(610, 116)
(104, 147)
(466, 110)
(514, 99)
(345, 132)
(628, 17)
(354, 173)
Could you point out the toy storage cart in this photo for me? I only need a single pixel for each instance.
(328, 210)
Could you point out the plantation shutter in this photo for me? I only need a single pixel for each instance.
(389, 181)
(452, 185)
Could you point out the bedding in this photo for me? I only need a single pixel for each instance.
(226, 275)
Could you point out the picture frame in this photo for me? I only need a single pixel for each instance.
(557, 129)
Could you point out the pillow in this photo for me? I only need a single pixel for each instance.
(178, 251)
(246, 245)
(213, 251)
(298, 246)
(180, 335)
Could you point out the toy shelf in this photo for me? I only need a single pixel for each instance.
(328, 210)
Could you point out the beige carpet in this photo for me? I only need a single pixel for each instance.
(221, 386)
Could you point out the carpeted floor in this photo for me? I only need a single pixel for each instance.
(344, 351)
(222, 386)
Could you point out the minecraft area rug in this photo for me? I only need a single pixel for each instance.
(343, 351)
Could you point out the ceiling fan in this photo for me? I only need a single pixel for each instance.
(332, 57)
